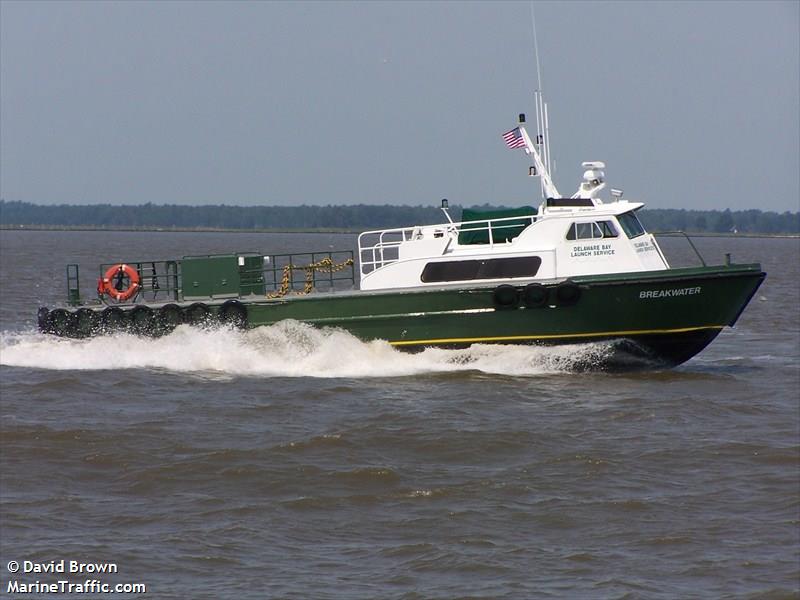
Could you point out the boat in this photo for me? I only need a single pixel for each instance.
(573, 270)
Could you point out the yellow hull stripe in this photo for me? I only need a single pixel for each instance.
(511, 338)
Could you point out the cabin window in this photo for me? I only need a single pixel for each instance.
(630, 224)
(608, 229)
(493, 268)
(591, 231)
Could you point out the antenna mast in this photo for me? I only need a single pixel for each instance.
(541, 148)
(542, 121)
(536, 51)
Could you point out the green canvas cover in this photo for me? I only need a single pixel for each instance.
(501, 232)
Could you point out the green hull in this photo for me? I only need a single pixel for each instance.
(663, 317)
(669, 328)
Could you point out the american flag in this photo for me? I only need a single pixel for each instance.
(514, 139)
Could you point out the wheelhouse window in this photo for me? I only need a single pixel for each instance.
(630, 224)
(608, 229)
(591, 230)
(493, 268)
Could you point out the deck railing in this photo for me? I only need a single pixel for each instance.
(257, 274)
(682, 234)
(381, 247)
(159, 280)
(328, 270)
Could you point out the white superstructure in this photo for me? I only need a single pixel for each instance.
(565, 237)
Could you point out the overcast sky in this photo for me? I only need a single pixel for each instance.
(690, 104)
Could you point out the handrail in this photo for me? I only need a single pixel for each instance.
(449, 225)
(73, 284)
(688, 239)
(157, 277)
(386, 251)
(162, 280)
(295, 267)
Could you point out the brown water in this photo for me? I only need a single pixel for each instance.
(290, 463)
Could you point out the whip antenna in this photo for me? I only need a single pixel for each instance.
(542, 121)
(536, 51)
(538, 150)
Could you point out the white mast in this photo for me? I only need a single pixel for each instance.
(540, 152)
(548, 187)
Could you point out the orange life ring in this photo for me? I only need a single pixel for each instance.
(115, 276)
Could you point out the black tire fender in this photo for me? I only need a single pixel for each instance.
(567, 294)
(505, 296)
(61, 322)
(233, 313)
(196, 314)
(113, 319)
(535, 295)
(87, 322)
(143, 320)
(169, 317)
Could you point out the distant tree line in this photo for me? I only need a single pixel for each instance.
(720, 221)
(347, 217)
(357, 216)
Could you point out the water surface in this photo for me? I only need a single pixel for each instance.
(288, 462)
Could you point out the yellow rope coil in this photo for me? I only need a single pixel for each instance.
(326, 265)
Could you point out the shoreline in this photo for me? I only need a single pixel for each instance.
(328, 230)
(148, 229)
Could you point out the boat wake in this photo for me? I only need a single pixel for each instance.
(286, 349)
